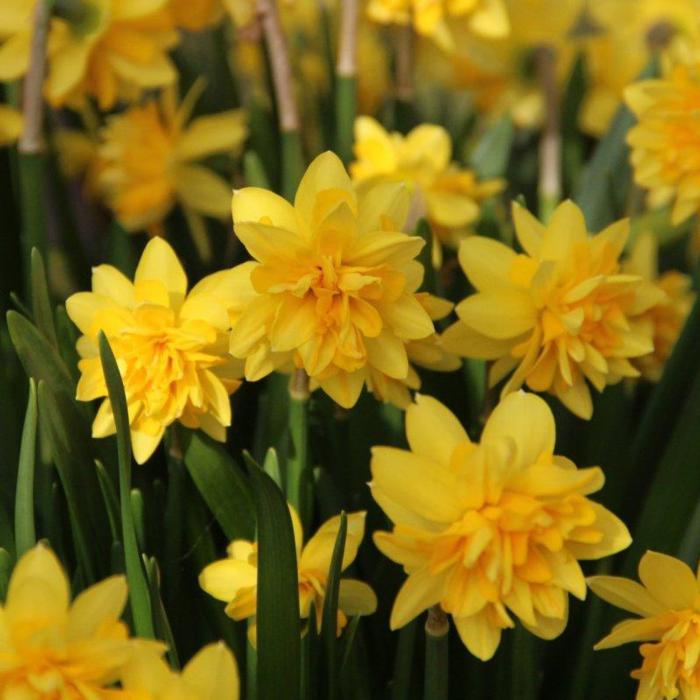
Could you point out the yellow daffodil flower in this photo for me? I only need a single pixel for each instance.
(50, 647)
(557, 314)
(665, 319)
(493, 529)
(430, 18)
(447, 195)
(15, 37)
(334, 281)
(666, 142)
(211, 673)
(118, 50)
(149, 157)
(668, 605)
(10, 125)
(170, 347)
(234, 580)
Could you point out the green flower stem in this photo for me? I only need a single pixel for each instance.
(346, 80)
(437, 628)
(297, 480)
(549, 186)
(25, 531)
(404, 116)
(32, 147)
(283, 86)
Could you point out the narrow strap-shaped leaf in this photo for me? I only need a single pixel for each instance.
(111, 501)
(138, 509)
(139, 595)
(5, 572)
(25, 530)
(278, 623)
(329, 627)
(271, 466)
(41, 301)
(162, 624)
(222, 485)
(254, 171)
(404, 667)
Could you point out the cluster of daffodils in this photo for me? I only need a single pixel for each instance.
(51, 647)
(492, 530)
(564, 312)
(234, 580)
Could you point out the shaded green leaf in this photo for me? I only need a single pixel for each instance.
(41, 301)
(25, 529)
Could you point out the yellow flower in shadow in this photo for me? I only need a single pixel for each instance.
(557, 315)
(52, 647)
(234, 580)
(664, 320)
(667, 603)
(211, 673)
(493, 529)
(448, 196)
(149, 155)
(170, 345)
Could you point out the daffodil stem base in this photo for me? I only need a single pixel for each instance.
(437, 629)
(345, 111)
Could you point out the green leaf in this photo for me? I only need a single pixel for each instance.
(5, 572)
(404, 662)
(675, 490)
(603, 184)
(68, 439)
(111, 502)
(278, 623)
(222, 485)
(329, 627)
(271, 466)
(254, 171)
(25, 530)
(41, 301)
(163, 629)
(490, 156)
(38, 358)
(139, 595)
(138, 509)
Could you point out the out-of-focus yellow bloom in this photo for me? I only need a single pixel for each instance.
(623, 45)
(50, 648)
(447, 195)
(334, 281)
(491, 528)
(148, 156)
(558, 314)
(211, 673)
(117, 51)
(664, 320)
(10, 125)
(373, 71)
(668, 605)
(666, 141)
(15, 36)
(170, 347)
(430, 17)
(195, 15)
(234, 580)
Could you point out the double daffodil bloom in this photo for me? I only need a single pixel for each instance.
(664, 320)
(114, 50)
(666, 143)
(448, 196)
(170, 346)
(667, 603)
(333, 285)
(489, 530)
(52, 648)
(234, 580)
(210, 674)
(557, 315)
(431, 19)
(148, 161)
